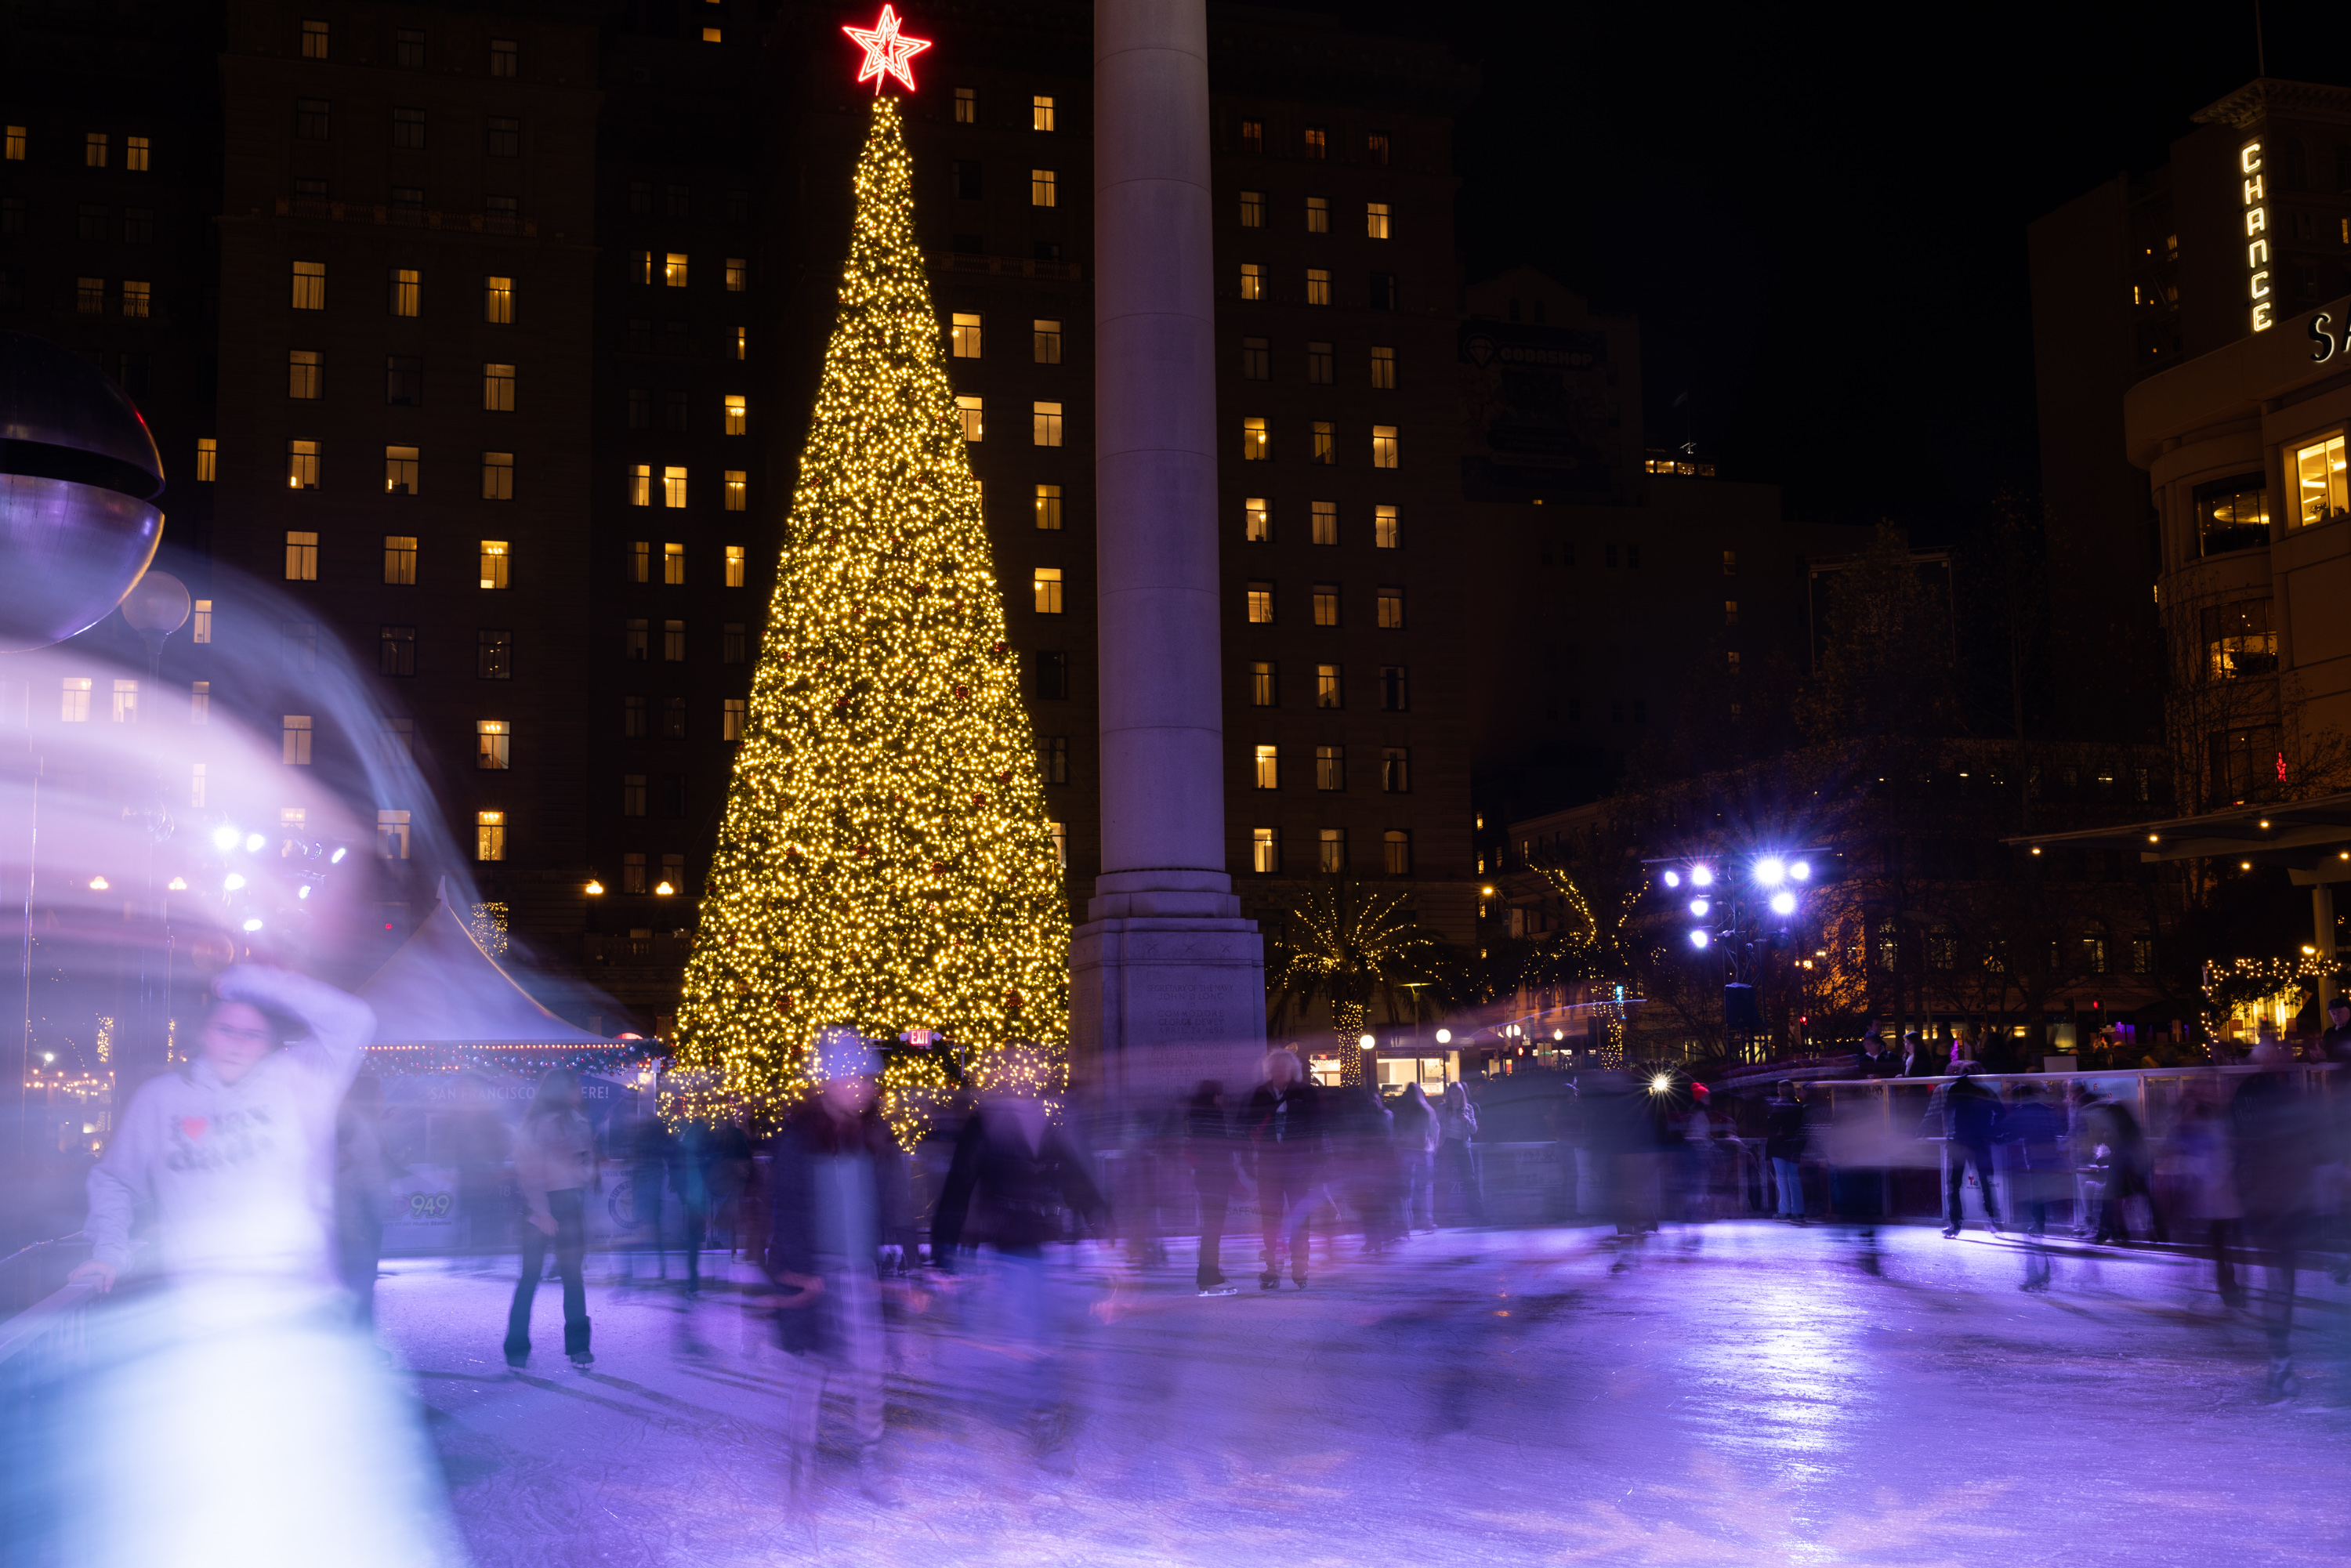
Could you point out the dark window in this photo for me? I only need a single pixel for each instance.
(2293, 165)
(505, 136)
(2233, 514)
(505, 58)
(673, 718)
(640, 339)
(1316, 142)
(310, 190)
(636, 636)
(640, 408)
(91, 225)
(641, 198)
(403, 379)
(739, 206)
(965, 245)
(676, 338)
(2245, 764)
(1383, 291)
(1395, 691)
(12, 289)
(408, 49)
(674, 410)
(632, 798)
(733, 644)
(967, 180)
(2343, 168)
(502, 214)
(1257, 359)
(677, 200)
(1253, 135)
(1046, 250)
(1395, 770)
(407, 127)
(1640, 710)
(673, 792)
(1052, 675)
(134, 374)
(1375, 146)
(1054, 758)
(395, 651)
(12, 214)
(310, 119)
(632, 717)
(493, 653)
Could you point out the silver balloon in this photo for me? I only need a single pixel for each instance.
(78, 476)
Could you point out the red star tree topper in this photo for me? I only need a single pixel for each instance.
(887, 50)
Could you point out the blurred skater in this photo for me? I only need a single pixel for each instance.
(2033, 1135)
(363, 1183)
(1455, 1160)
(837, 1195)
(1209, 1150)
(1417, 1135)
(649, 1161)
(1286, 1138)
(2209, 1162)
(1783, 1145)
(237, 1418)
(1971, 1116)
(2277, 1131)
(555, 1166)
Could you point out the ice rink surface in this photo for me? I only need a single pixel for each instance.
(1741, 1393)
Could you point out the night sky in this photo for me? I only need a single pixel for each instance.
(1820, 217)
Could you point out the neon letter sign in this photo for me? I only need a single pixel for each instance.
(2257, 245)
(887, 50)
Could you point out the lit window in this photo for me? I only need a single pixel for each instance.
(1046, 424)
(75, 708)
(1257, 359)
(90, 295)
(1042, 188)
(309, 286)
(1395, 770)
(742, 342)
(1048, 584)
(713, 36)
(1375, 146)
(94, 145)
(641, 561)
(400, 559)
(407, 285)
(1268, 768)
(1318, 141)
(673, 487)
(1317, 286)
(304, 373)
(1730, 563)
(401, 470)
(1256, 446)
(1265, 850)
(731, 717)
(739, 415)
(1252, 209)
(314, 40)
(1326, 604)
(125, 702)
(737, 491)
(489, 835)
(294, 738)
(498, 389)
(1730, 612)
(505, 58)
(200, 702)
(1397, 844)
(1252, 281)
(674, 270)
(302, 465)
(738, 275)
(494, 557)
(640, 487)
(497, 476)
(207, 459)
(301, 557)
(2319, 471)
(1040, 113)
(137, 296)
(1318, 215)
(1048, 508)
(1257, 520)
(1392, 611)
(492, 740)
(1253, 136)
(1384, 446)
(970, 412)
(1329, 690)
(1331, 845)
(967, 105)
(1330, 767)
(200, 630)
(1322, 443)
(1325, 522)
(1384, 532)
(963, 336)
(1384, 369)
(1045, 341)
(1375, 220)
(1265, 684)
(673, 642)
(673, 564)
(497, 301)
(1260, 603)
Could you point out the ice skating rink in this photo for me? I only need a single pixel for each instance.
(1741, 1392)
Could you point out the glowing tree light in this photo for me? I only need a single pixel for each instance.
(884, 859)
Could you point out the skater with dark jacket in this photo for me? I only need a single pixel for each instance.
(1210, 1151)
(1284, 1124)
(556, 1167)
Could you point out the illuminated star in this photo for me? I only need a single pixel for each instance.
(887, 50)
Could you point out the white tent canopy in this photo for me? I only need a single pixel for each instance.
(440, 988)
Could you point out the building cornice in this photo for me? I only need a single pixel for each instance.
(2270, 95)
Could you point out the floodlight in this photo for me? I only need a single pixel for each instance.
(1672, 879)
(1770, 871)
(1702, 876)
(1698, 907)
(1783, 903)
(1445, 1037)
(1800, 869)
(233, 882)
(303, 890)
(1662, 1084)
(1700, 939)
(337, 858)
(252, 925)
(225, 838)
(253, 842)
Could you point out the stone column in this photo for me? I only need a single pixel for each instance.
(1168, 982)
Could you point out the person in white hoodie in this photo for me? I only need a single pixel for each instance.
(236, 1417)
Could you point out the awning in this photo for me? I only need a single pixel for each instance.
(2311, 839)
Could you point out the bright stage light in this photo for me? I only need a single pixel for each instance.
(1698, 907)
(1770, 871)
(1702, 876)
(233, 882)
(225, 838)
(253, 842)
(1800, 869)
(1699, 939)
(1672, 879)
(1783, 903)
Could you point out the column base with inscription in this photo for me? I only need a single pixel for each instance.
(1158, 1003)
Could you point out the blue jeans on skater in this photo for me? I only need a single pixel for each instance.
(1790, 1176)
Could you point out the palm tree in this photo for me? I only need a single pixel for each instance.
(1346, 946)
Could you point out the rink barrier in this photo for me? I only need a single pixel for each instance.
(43, 1349)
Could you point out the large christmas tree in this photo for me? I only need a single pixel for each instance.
(886, 859)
